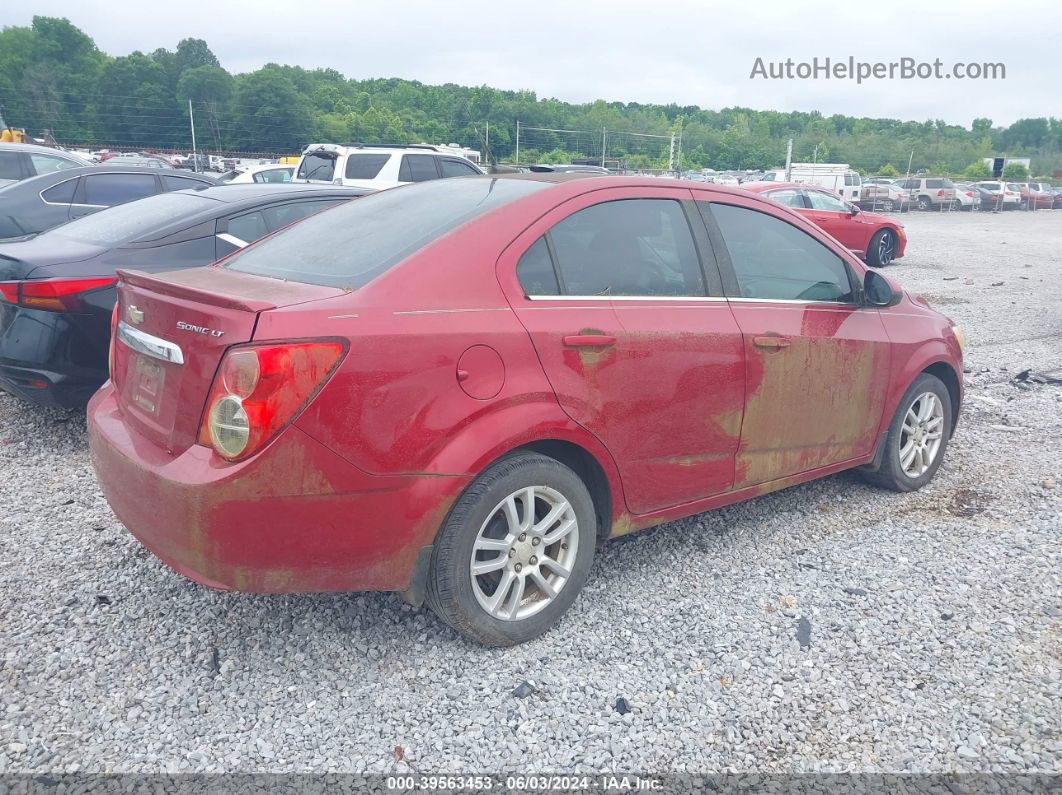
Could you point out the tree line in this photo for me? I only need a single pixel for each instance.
(53, 77)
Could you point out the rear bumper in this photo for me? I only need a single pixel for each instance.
(53, 358)
(295, 518)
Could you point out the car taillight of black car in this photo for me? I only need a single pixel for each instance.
(54, 295)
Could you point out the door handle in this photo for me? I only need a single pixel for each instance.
(771, 342)
(589, 340)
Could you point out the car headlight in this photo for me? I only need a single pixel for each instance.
(960, 336)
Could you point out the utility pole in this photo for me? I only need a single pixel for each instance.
(191, 122)
(603, 144)
(789, 161)
(517, 158)
(671, 154)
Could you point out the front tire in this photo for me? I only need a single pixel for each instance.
(917, 438)
(882, 248)
(514, 552)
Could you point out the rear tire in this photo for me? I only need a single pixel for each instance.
(490, 528)
(917, 438)
(924, 203)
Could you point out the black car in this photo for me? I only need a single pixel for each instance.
(57, 289)
(39, 203)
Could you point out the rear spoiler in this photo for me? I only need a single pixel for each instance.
(225, 288)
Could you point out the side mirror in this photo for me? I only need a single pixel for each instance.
(877, 291)
(853, 210)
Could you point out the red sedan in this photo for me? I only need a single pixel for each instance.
(876, 238)
(458, 388)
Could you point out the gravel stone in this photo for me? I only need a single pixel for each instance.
(693, 621)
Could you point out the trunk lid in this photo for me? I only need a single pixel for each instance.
(172, 331)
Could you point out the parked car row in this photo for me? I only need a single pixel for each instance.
(494, 333)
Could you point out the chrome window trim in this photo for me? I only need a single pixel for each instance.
(802, 301)
(148, 344)
(684, 298)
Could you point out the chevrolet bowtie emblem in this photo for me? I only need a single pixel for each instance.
(134, 315)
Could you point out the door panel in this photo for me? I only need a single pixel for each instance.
(814, 399)
(661, 382)
(682, 372)
(817, 364)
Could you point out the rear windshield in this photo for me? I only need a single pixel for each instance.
(365, 166)
(319, 165)
(352, 244)
(125, 222)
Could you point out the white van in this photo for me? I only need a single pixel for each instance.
(838, 177)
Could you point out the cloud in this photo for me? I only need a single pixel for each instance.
(689, 53)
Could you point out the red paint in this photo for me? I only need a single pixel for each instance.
(685, 405)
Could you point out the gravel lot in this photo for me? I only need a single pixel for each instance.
(827, 627)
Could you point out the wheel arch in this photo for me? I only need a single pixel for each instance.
(600, 477)
(947, 374)
(587, 467)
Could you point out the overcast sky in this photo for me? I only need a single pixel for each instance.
(699, 52)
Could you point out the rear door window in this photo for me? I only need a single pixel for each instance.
(10, 167)
(318, 165)
(365, 165)
(420, 168)
(180, 183)
(628, 247)
(774, 260)
(283, 214)
(273, 175)
(535, 270)
(934, 183)
(63, 193)
(46, 164)
(248, 227)
(455, 168)
(106, 190)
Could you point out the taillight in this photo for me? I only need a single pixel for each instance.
(110, 346)
(57, 295)
(940, 193)
(259, 389)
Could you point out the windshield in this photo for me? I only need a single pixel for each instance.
(126, 222)
(352, 244)
(319, 165)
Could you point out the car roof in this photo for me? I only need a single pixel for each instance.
(760, 187)
(42, 181)
(577, 179)
(37, 149)
(252, 191)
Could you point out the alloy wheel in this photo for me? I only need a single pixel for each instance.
(886, 248)
(921, 434)
(524, 553)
